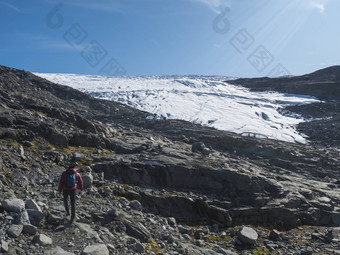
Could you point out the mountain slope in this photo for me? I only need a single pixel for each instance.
(140, 173)
(323, 84)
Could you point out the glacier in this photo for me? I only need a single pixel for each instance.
(205, 100)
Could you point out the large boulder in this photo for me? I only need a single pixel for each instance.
(87, 180)
(247, 235)
(35, 216)
(13, 205)
(58, 139)
(96, 249)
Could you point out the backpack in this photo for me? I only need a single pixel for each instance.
(71, 180)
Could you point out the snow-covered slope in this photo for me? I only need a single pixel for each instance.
(204, 100)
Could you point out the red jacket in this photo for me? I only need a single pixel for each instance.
(62, 182)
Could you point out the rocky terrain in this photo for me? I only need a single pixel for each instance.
(154, 186)
(324, 118)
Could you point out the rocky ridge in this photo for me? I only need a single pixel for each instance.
(153, 186)
(323, 119)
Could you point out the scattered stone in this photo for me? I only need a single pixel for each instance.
(42, 240)
(186, 237)
(172, 221)
(225, 252)
(29, 229)
(23, 218)
(247, 235)
(308, 251)
(135, 204)
(138, 247)
(54, 219)
(59, 251)
(15, 230)
(274, 235)
(198, 147)
(95, 249)
(3, 246)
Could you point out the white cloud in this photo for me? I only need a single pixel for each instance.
(319, 5)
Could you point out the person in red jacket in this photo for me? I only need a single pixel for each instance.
(70, 181)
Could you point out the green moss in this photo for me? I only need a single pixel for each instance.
(117, 197)
(13, 143)
(85, 162)
(42, 113)
(8, 174)
(261, 251)
(152, 246)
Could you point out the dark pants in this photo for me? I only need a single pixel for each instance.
(72, 194)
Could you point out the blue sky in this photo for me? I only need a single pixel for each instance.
(242, 38)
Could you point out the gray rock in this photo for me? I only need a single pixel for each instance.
(225, 252)
(274, 234)
(137, 230)
(3, 246)
(186, 237)
(138, 247)
(58, 139)
(35, 216)
(54, 219)
(198, 147)
(135, 204)
(13, 205)
(77, 156)
(95, 249)
(21, 152)
(23, 218)
(15, 230)
(206, 151)
(87, 180)
(42, 240)
(172, 221)
(59, 251)
(88, 230)
(31, 204)
(29, 229)
(308, 251)
(247, 235)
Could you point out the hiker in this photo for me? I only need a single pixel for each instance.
(70, 180)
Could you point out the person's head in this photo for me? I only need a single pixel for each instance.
(72, 165)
